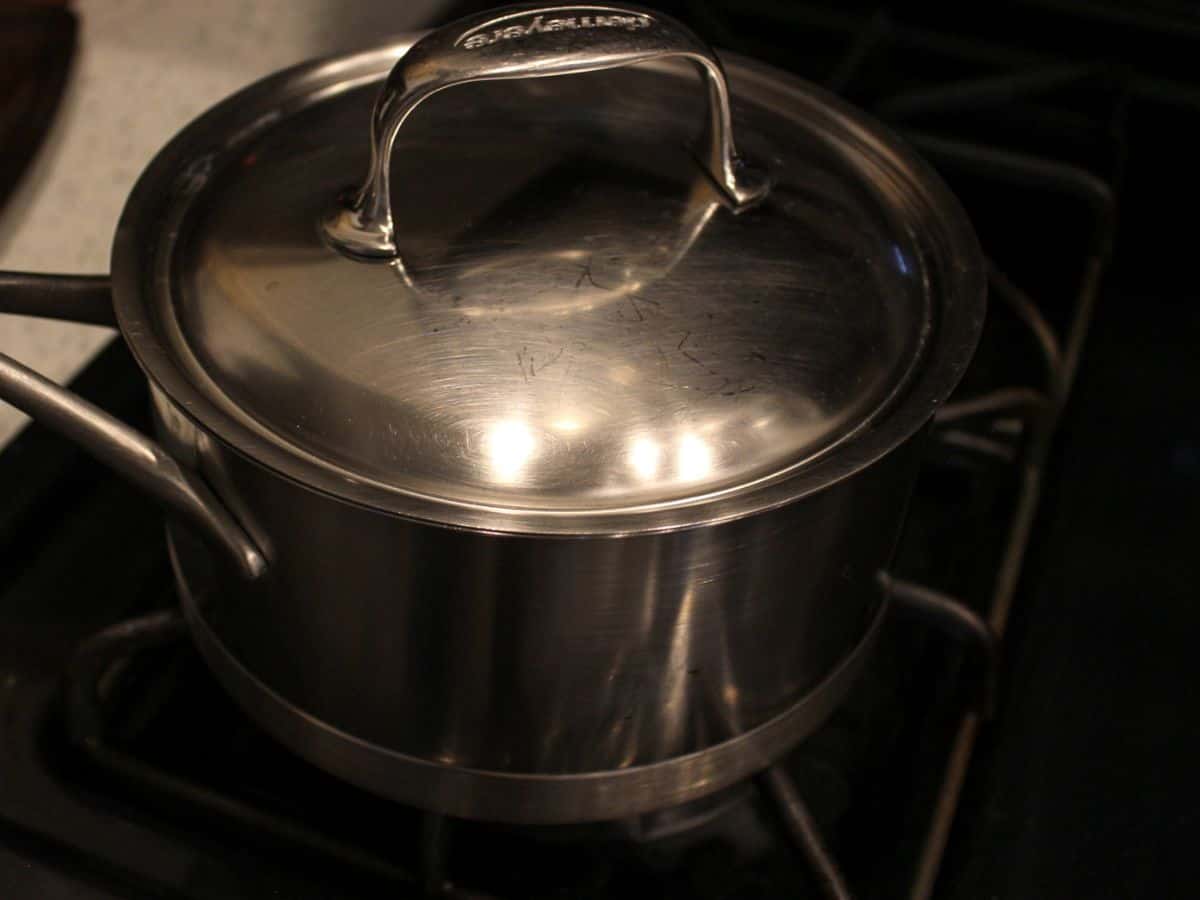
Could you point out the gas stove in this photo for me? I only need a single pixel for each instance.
(954, 767)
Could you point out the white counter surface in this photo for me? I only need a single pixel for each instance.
(143, 70)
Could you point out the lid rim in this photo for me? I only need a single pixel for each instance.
(959, 308)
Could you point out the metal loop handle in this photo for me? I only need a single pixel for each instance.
(530, 42)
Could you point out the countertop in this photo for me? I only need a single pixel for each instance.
(144, 69)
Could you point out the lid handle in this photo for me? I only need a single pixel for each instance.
(530, 42)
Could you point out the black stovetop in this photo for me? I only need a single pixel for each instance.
(139, 778)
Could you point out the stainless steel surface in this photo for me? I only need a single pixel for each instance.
(460, 706)
(525, 42)
(525, 678)
(585, 342)
(601, 470)
(132, 455)
(72, 298)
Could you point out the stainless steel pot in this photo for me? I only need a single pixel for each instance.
(554, 481)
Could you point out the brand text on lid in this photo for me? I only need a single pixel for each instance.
(540, 24)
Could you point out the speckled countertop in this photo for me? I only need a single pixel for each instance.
(143, 70)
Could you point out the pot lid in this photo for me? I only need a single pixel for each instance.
(559, 303)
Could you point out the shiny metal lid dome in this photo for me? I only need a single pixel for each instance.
(578, 321)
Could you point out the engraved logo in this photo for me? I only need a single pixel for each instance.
(473, 40)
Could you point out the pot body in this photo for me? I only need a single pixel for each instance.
(520, 677)
(596, 641)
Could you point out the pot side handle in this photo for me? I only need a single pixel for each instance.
(532, 42)
(128, 452)
(73, 298)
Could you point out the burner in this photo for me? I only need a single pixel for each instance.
(152, 727)
(147, 721)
